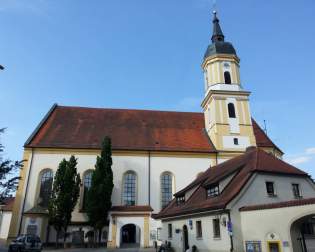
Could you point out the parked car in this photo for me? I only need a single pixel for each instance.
(26, 243)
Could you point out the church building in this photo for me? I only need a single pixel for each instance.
(156, 155)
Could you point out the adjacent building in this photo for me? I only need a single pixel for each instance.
(254, 202)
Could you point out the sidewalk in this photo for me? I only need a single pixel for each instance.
(100, 249)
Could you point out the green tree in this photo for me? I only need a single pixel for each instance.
(99, 195)
(8, 174)
(64, 197)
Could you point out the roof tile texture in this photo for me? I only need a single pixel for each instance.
(77, 127)
(241, 168)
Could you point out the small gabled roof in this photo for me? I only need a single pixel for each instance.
(129, 129)
(244, 166)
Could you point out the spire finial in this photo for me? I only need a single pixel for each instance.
(217, 35)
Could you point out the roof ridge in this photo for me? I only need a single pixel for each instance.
(131, 109)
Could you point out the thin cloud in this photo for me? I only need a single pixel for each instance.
(302, 158)
(310, 151)
(37, 7)
(299, 160)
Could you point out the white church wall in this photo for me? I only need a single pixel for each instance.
(185, 169)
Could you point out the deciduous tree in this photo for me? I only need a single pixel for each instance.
(8, 174)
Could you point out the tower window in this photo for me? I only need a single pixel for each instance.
(235, 141)
(231, 110)
(227, 77)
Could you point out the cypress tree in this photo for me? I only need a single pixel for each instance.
(99, 195)
(65, 194)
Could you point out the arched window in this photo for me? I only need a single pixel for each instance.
(130, 184)
(87, 181)
(46, 182)
(166, 188)
(227, 77)
(231, 110)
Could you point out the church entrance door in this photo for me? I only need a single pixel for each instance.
(130, 236)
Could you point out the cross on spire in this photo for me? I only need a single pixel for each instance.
(217, 35)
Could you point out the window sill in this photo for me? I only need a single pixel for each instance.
(217, 238)
(272, 195)
(298, 197)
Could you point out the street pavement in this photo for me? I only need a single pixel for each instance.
(99, 250)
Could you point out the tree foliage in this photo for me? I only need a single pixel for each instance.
(65, 194)
(99, 195)
(8, 174)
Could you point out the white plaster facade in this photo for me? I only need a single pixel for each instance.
(183, 166)
(275, 225)
(5, 220)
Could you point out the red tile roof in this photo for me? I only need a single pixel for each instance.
(262, 140)
(291, 203)
(243, 167)
(131, 209)
(77, 127)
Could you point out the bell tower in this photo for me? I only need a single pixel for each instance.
(226, 103)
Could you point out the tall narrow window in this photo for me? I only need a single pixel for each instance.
(270, 188)
(296, 190)
(216, 228)
(129, 193)
(46, 181)
(231, 110)
(198, 229)
(87, 185)
(166, 188)
(227, 77)
(170, 230)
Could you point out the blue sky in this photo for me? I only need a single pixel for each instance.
(147, 54)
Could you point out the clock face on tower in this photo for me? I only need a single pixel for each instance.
(226, 65)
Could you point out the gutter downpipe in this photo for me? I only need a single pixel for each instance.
(149, 186)
(231, 236)
(26, 189)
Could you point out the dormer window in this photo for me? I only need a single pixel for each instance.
(180, 200)
(213, 191)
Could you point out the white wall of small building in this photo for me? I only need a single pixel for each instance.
(255, 193)
(5, 224)
(258, 225)
(207, 243)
